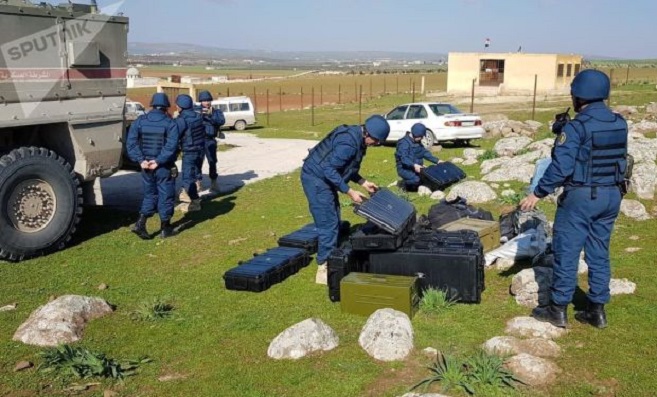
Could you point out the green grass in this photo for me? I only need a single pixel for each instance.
(217, 340)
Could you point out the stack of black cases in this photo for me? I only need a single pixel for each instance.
(449, 261)
(391, 221)
(261, 272)
(307, 237)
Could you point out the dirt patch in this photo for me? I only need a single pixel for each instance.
(413, 370)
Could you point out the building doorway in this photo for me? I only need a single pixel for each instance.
(491, 72)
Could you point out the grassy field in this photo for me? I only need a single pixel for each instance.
(215, 344)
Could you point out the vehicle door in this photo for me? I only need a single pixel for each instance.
(395, 120)
(415, 114)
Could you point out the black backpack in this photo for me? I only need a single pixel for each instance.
(449, 211)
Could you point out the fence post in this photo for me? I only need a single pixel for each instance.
(397, 84)
(472, 96)
(370, 88)
(321, 95)
(280, 99)
(360, 105)
(301, 98)
(267, 107)
(534, 103)
(413, 90)
(611, 77)
(356, 91)
(339, 94)
(227, 91)
(627, 75)
(384, 85)
(312, 106)
(255, 98)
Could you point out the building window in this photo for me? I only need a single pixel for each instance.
(491, 72)
(569, 70)
(577, 66)
(560, 70)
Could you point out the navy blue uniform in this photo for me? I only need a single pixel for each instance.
(213, 119)
(154, 136)
(408, 154)
(589, 161)
(327, 170)
(192, 142)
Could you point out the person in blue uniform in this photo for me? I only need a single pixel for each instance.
(213, 119)
(192, 143)
(152, 142)
(410, 156)
(328, 169)
(589, 160)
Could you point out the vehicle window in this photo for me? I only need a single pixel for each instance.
(221, 107)
(397, 113)
(245, 106)
(139, 107)
(439, 109)
(417, 112)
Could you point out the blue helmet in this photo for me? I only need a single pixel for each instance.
(160, 99)
(204, 96)
(377, 127)
(590, 85)
(418, 130)
(184, 101)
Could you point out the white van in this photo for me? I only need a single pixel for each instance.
(238, 110)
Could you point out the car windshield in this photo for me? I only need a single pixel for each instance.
(440, 108)
(139, 106)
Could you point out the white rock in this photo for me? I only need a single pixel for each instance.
(303, 338)
(652, 108)
(503, 264)
(387, 335)
(470, 162)
(521, 172)
(632, 249)
(621, 286)
(430, 352)
(393, 184)
(494, 185)
(533, 124)
(438, 195)
(531, 287)
(8, 308)
(470, 153)
(509, 345)
(582, 267)
(473, 191)
(644, 180)
(61, 321)
(423, 191)
(634, 209)
(456, 160)
(533, 371)
(511, 146)
(508, 192)
(528, 327)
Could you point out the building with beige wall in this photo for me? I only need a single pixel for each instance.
(511, 73)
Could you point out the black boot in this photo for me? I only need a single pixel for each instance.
(594, 315)
(140, 228)
(167, 229)
(554, 314)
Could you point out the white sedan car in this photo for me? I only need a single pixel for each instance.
(444, 122)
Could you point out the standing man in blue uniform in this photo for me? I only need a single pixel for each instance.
(152, 142)
(589, 161)
(213, 119)
(192, 143)
(329, 167)
(410, 156)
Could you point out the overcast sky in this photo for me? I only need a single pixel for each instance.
(590, 27)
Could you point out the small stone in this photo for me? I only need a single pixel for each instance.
(8, 308)
(437, 195)
(503, 264)
(385, 161)
(508, 192)
(632, 249)
(423, 191)
(236, 241)
(621, 286)
(22, 365)
(495, 185)
(52, 298)
(155, 256)
(103, 287)
(457, 160)
(430, 352)
(171, 377)
(507, 185)
(393, 184)
(635, 238)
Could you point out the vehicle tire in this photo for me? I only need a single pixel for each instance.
(40, 203)
(429, 140)
(240, 125)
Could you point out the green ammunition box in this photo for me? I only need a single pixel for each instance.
(489, 231)
(363, 293)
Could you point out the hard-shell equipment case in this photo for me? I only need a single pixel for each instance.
(341, 262)
(364, 293)
(307, 237)
(488, 231)
(449, 261)
(388, 211)
(441, 175)
(265, 270)
(372, 238)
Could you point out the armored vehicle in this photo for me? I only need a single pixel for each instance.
(62, 98)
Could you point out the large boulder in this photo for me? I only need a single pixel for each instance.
(644, 180)
(473, 191)
(61, 321)
(511, 146)
(644, 126)
(303, 338)
(533, 371)
(509, 345)
(387, 335)
(522, 173)
(652, 108)
(529, 327)
(625, 110)
(634, 209)
(531, 287)
(642, 149)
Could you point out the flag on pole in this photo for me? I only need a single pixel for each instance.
(487, 43)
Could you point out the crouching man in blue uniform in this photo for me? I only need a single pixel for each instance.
(213, 119)
(410, 156)
(192, 143)
(329, 167)
(152, 142)
(589, 161)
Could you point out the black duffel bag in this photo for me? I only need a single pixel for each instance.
(449, 211)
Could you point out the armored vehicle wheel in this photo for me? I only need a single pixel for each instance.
(428, 140)
(240, 125)
(40, 203)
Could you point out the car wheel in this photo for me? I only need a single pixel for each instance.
(240, 125)
(40, 203)
(429, 140)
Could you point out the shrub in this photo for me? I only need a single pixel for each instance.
(152, 310)
(512, 199)
(434, 301)
(489, 154)
(450, 372)
(82, 363)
